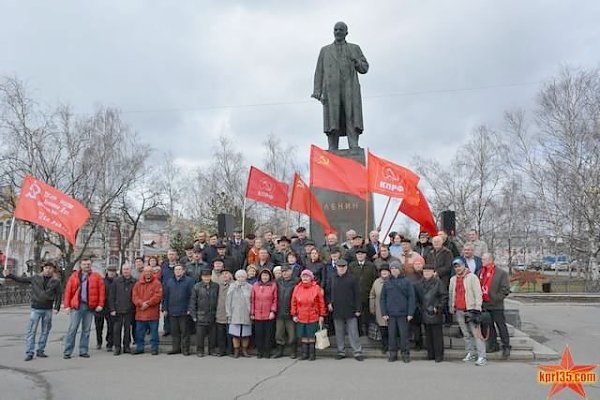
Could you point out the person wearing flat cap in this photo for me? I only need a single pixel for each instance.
(375, 306)
(365, 272)
(104, 315)
(279, 256)
(343, 301)
(203, 310)
(285, 328)
(434, 299)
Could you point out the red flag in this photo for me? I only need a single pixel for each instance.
(392, 180)
(266, 189)
(304, 201)
(336, 173)
(420, 213)
(49, 207)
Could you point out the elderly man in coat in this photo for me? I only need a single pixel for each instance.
(337, 88)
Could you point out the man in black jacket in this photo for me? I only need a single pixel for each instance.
(46, 292)
(365, 273)
(121, 308)
(343, 301)
(104, 315)
(238, 249)
(203, 309)
(495, 287)
(434, 299)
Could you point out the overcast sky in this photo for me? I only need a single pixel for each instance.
(176, 68)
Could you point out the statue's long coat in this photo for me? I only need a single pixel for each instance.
(336, 79)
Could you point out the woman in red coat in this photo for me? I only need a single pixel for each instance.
(263, 308)
(308, 310)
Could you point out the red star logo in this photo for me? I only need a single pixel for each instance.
(567, 375)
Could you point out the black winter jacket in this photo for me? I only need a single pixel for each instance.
(434, 298)
(284, 296)
(119, 295)
(344, 294)
(203, 302)
(45, 291)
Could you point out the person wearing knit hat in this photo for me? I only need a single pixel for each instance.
(375, 304)
(398, 305)
(277, 272)
(308, 312)
(285, 328)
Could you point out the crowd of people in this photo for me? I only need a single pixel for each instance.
(268, 296)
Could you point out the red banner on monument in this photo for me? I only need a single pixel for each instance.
(304, 201)
(47, 206)
(266, 189)
(332, 172)
(390, 179)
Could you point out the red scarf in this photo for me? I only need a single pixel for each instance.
(486, 276)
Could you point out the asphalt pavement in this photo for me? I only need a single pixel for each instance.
(104, 376)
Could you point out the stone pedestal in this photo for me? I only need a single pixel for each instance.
(343, 211)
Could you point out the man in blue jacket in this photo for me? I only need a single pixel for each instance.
(398, 308)
(176, 297)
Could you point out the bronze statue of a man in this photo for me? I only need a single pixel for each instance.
(337, 88)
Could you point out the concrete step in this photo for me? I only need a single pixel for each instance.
(449, 354)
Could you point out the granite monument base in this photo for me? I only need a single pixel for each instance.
(343, 211)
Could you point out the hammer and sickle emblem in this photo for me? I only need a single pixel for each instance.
(34, 191)
(323, 160)
(300, 184)
(266, 185)
(389, 174)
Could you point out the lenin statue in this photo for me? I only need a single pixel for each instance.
(337, 88)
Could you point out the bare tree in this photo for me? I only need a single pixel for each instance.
(94, 159)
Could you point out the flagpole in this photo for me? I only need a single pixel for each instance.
(392, 224)
(367, 217)
(244, 218)
(10, 235)
(384, 212)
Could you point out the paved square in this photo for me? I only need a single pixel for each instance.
(105, 376)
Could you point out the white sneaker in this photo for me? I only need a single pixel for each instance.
(470, 358)
(481, 362)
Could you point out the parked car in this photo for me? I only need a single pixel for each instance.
(519, 267)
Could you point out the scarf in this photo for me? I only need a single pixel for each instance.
(487, 274)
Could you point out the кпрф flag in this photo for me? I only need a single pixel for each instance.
(266, 189)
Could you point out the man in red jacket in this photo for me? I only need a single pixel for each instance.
(147, 295)
(84, 294)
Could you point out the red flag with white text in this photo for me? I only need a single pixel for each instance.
(47, 206)
(266, 189)
(390, 179)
